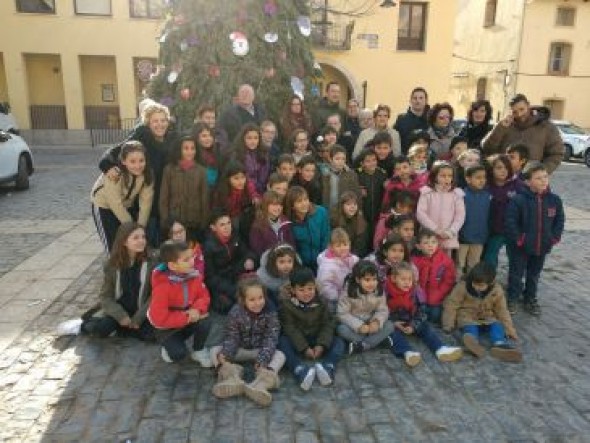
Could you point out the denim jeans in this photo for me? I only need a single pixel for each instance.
(331, 355)
(434, 314)
(495, 330)
(424, 332)
(174, 343)
(519, 264)
(103, 327)
(492, 249)
(371, 340)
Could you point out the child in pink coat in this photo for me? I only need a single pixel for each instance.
(441, 207)
(334, 264)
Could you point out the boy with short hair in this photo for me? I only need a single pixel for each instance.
(338, 179)
(308, 331)
(308, 178)
(478, 305)
(534, 224)
(436, 272)
(226, 258)
(286, 166)
(474, 232)
(278, 183)
(519, 156)
(179, 305)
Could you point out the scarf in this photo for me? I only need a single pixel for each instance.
(185, 165)
(208, 158)
(441, 132)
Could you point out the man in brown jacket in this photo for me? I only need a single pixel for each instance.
(532, 129)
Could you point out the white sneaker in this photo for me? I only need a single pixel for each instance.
(70, 327)
(165, 355)
(203, 357)
(412, 358)
(449, 353)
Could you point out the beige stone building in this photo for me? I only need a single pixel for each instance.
(540, 48)
(82, 64)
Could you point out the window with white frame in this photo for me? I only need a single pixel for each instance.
(146, 8)
(559, 58)
(92, 7)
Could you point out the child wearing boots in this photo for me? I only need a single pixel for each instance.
(478, 305)
(308, 331)
(251, 334)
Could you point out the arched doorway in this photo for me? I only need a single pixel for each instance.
(333, 71)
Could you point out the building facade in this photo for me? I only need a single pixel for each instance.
(540, 48)
(82, 64)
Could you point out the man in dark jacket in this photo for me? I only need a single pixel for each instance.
(534, 224)
(328, 106)
(242, 112)
(414, 120)
(531, 127)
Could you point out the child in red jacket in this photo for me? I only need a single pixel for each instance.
(179, 305)
(436, 272)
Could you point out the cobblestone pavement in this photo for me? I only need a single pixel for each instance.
(79, 389)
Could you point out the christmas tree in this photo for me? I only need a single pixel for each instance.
(209, 48)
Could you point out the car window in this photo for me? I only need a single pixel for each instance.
(572, 130)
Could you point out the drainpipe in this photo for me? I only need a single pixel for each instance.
(364, 85)
(517, 58)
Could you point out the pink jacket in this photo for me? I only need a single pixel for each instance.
(331, 274)
(442, 211)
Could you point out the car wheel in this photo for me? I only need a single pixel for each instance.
(587, 157)
(567, 153)
(22, 177)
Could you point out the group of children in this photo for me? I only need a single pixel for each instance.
(303, 262)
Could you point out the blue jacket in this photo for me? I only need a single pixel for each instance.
(534, 222)
(312, 236)
(475, 229)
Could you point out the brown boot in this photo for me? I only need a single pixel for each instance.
(257, 391)
(472, 344)
(506, 352)
(229, 381)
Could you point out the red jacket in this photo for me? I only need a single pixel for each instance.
(398, 300)
(436, 276)
(395, 184)
(168, 305)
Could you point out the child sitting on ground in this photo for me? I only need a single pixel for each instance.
(125, 291)
(275, 266)
(436, 272)
(362, 311)
(179, 305)
(334, 264)
(251, 334)
(478, 305)
(177, 231)
(308, 331)
(406, 303)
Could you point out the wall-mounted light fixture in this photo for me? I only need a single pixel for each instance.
(388, 4)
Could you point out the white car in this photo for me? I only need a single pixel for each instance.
(16, 159)
(575, 139)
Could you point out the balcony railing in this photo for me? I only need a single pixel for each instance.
(332, 37)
